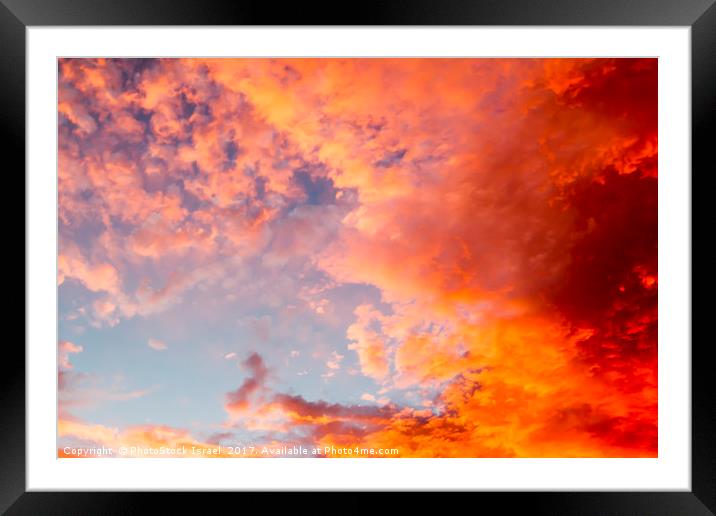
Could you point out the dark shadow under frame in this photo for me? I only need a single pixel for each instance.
(700, 15)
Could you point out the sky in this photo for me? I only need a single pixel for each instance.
(447, 257)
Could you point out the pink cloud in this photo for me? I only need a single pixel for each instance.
(66, 348)
(156, 344)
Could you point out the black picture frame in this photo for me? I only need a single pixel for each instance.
(700, 15)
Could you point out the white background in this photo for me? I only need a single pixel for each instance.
(670, 471)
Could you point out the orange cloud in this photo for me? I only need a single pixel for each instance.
(154, 441)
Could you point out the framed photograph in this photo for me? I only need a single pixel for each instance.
(438, 248)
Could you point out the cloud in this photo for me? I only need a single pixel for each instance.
(335, 361)
(98, 277)
(238, 400)
(368, 343)
(78, 389)
(333, 364)
(65, 349)
(137, 441)
(156, 344)
(256, 407)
